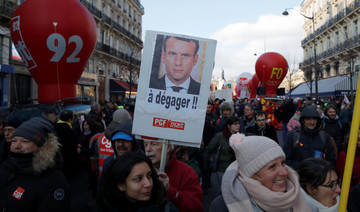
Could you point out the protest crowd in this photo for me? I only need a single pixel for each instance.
(244, 163)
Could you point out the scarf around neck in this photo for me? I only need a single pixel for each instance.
(321, 207)
(237, 190)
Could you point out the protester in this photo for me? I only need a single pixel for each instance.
(89, 130)
(332, 125)
(9, 129)
(287, 112)
(226, 111)
(101, 142)
(309, 141)
(69, 144)
(181, 182)
(262, 128)
(131, 184)
(345, 117)
(319, 179)
(50, 114)
(209, 125)
(29, 179)
(353, 201)
(340, 164)
(295, 120)
(96, 114)
(122, 140)
(248, 119)
(259, 179)
(221, 142)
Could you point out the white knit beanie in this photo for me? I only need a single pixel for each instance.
(254, 152)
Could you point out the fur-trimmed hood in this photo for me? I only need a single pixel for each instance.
(46, 157)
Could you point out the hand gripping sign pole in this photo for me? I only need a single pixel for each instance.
(163, 155)
(350, 153)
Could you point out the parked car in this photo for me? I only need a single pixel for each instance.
(26, 112)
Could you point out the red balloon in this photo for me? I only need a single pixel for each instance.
(271, 68)
(255, 81)
(55, 40)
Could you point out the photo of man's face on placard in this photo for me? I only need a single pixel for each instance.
(177, 64)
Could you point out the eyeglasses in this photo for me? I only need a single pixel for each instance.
(261, 120)
(333, 185)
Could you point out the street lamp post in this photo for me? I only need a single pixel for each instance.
(285, 13)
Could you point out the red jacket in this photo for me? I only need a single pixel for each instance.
(185, 189)
(340, 165)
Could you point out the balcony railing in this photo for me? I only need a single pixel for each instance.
(139, 5)
(7, 8)
(107, 49)
(332, 21)
(96, 12)
(344, 46)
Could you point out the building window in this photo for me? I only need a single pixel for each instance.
(129, 11)
(111, 41)
(346, 32)
(118, 19)
(104, 10)
(329, 42)
(119, 3)
(321, 46)
(103, 39)
(356, 28)
(337, 39)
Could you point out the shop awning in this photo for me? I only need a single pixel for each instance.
(343, 87)
(118, 86)
(326, 87)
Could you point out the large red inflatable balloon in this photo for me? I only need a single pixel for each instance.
(55, 39)
(271, 68)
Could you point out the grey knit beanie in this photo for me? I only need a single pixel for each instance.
(254, 152)
(119, 116)
(35, 130)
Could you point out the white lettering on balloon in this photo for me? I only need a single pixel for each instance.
(57, 44)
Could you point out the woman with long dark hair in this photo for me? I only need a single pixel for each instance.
(131, 184)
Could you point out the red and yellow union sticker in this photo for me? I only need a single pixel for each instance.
(18, 193)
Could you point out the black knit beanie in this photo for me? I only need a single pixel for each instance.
(35, 130)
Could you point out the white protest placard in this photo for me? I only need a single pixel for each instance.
(224, 94)
(173, 87)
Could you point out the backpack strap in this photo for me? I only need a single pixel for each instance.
(296, 136)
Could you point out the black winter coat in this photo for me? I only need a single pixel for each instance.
(269, 132)
(309, 145)
(38, 187)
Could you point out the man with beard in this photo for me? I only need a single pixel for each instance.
(182, 183)
(122, 140)
(332, 125)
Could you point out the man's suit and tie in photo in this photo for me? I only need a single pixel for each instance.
(179, 55)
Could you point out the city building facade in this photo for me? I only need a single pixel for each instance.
(113, 68)
(331, 41)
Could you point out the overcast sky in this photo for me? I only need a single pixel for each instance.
(241, 28)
